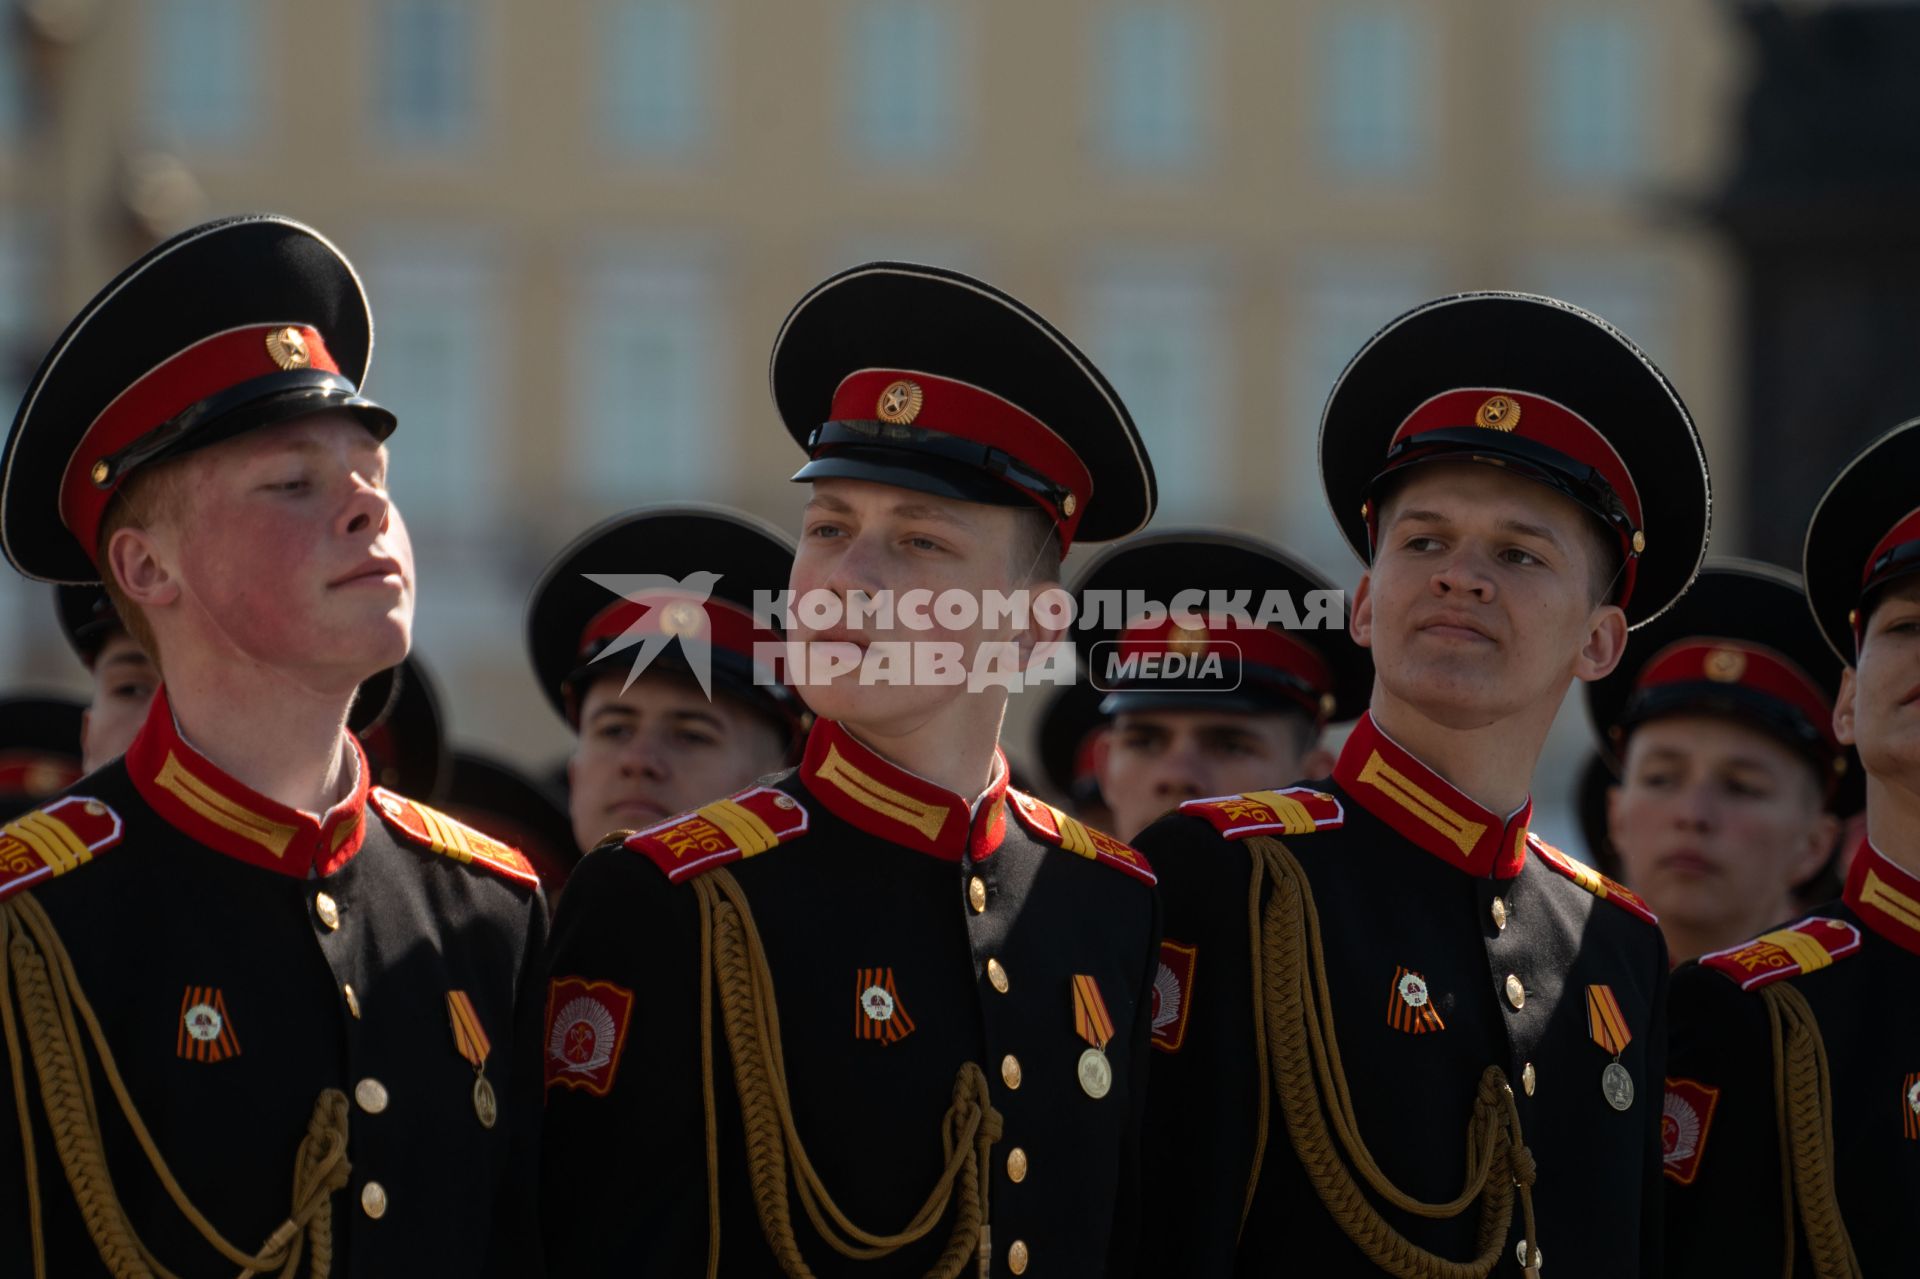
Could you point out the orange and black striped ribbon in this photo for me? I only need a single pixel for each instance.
(888, 1030)
(469, 1036)
(1605, 1022)
(1910, 1117)
(1402, 1015)
(1091, 1021)
(222, 1046)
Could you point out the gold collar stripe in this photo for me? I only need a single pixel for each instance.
(1291, 813)
(221, 811)
(1884, 897)
(1407, 793)
(748, 833)
(875, 794)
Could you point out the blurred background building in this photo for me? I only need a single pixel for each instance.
(581, 221)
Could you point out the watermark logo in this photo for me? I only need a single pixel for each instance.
(674, 610)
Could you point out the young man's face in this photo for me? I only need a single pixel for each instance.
(658, 749)
(124, 681)
(1156, 760)
(1878, 709)
(1716, 824)
(288, 553)
(863, 537)
(1479, 604)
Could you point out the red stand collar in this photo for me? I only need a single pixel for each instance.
(197, 798)
(1422, 806)
(859, 786)
(1886, 897)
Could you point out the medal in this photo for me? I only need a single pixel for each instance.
(470, 1040)
(1092, 1023)
(1608, 1027)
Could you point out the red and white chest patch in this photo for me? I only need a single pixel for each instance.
(586, 1031)
(1172, 997)
(1685, 1117)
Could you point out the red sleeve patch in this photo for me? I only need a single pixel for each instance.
(1593, 881)
(45, 842)
(1814, 943)
(1687, 1114)
(1298, 810)
(1173, 994)
(1057, 827)
(451, 838)
(586, 1031)
(727, 830)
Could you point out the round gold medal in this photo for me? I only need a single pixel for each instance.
(485, 1104)
(1096, 1073)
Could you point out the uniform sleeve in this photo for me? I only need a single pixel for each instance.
(623, 1150)
(1204, 1091)
(515, 1247)
(1123, 1247)
(1724, 1209)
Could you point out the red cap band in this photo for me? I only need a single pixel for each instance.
(208, 367)
(1750, 666)
(1258, 645)
(724, 625)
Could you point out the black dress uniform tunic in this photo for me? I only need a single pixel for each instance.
(907, 933)
(1854, 961)
(1454, 940)
(242, 957)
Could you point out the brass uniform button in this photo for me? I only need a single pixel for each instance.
(1010, 1070)
(371, 1094)
(977, 894)
(1016, 1165)
(1499, 913)
(353, 1000)
(1017, 1257)
(1516, 993)
(373, 1200)
(1526, 1078)
(997, 975)
(328, 910)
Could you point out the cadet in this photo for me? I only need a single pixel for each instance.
(616, 627)
(882, 1014)
(260, 1010)
(1447, 1045)
(1793, 1096)
(124, 680)
(1721, 718)
(1244, 703)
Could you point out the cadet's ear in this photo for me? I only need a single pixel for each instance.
(1606, 644)
(1360, 618)
(134, 558)
(1843, 708)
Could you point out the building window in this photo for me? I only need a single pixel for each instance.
(1158, 335)
(901, 80)
(1148, 79)
(202, 80)
(654, 64)
(1590, 125)
(427, 69)
(1373, 92)
(436, 365)
(654, 413)
(1340, 303)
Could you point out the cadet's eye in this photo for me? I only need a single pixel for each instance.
(1524, 558)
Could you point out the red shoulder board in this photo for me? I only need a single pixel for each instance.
(1298, 810)
(45, 842)
(451, 838)
(1593, 881)
(727, 830)
(1074, 835)
(1815, 942)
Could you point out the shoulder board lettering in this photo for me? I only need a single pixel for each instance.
(727, 830)
(1056, 827)
(450, 838)
(1814, 943)
(45, 842)
(1298, 810)
(1593, 881)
